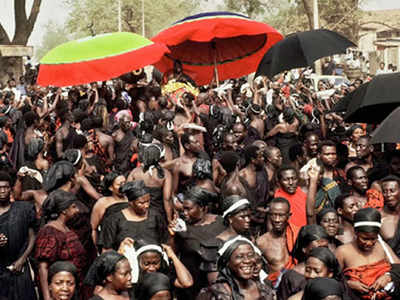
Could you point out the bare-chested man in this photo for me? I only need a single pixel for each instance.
(277, 244)
(106, 141)
(310, 146)
(367, 260)
(391, 210)
(256, 121)
(346, 206)
(123, 139)
(273, 161)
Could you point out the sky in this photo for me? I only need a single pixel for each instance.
(55, 10)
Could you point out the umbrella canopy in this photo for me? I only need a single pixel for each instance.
(97, 58)
(389, 130)
(301, 49)
(377, 101)
(230, 42)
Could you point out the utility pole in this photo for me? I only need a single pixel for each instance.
(143, 29)
(119, 16)
(318, 69)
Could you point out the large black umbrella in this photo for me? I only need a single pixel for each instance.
(389, 130)
(301, 49)
(357, 95)
(380, 98)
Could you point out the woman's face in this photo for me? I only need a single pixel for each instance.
(356, 134)
(162, 295)
(150, 262)
(315, 268)
(242, 261)
(141, 205)
(257, 266)
(330, 222)
(240, 222)
(62, 286)
(192, 212)
(116, 185)
(315, 244)
(71, 211)
(121, 278)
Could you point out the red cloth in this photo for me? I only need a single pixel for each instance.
(374, 199)
(273, 277)
(368, 274)
(297, 205)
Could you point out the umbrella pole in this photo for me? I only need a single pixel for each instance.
(216, 70)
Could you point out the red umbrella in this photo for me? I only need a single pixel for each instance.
(231, 43)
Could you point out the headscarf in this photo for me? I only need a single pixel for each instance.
(59, 174)
(319, 288)
(56, 202)
(103, 265)
(134, 189)
(307, 234)
(200, 196)
(329, 259)
(150, 159)
(74, 156)
(225, 253)
(202, 169)
(62, 266)
(151, 284)
(35, 146)
(233, 204)
(323, 212)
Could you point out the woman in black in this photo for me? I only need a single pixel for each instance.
(136, 221)
(201, 226)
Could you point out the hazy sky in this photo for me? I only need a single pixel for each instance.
(55, 10)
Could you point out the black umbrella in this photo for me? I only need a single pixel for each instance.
(389, 130)
(380, 98)
(357, 95)
(301, 49)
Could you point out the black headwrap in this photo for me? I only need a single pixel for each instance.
(323, 212)
(74, 156)
(62, 266)
(307, 234)
(56, 202)
(35, 146)
(319, 288)
(200, 196)
(224, 272)
(134, 189)
(58, 175)
(329, 259)
(202, 169)
(151, 284)
(151, 156)
(233, 204)
(103, 265)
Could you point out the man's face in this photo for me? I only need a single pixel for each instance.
(359, 181)
(350, 207)
(395, 165)
(363, 149)
(5, 190)
(194, 144)
(311, 144)
(279, 215)
(275, 157)
(328, 156)
(259, 162)
(125, 123)
(391, 194)
(288, 181)
(239, 132)
(230, 143)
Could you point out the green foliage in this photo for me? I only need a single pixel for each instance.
(103, 15)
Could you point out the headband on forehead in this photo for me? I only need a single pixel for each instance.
(239, 238)
(78, 158)
(234, 206)
(367, 223)
(152, 247)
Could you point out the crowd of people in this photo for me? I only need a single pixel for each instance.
(150, 187)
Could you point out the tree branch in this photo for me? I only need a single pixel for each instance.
(4, 38)
(34, 13)
(23, 25)
(380, 23)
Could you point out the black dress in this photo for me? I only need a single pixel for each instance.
(115, 228)
(188, 243)
(15, 224)
(156, 199)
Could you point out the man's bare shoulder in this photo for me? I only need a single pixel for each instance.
(263, 238)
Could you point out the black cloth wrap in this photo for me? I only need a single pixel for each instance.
(319, 288)
(35, 146)
(153, 283)
(62, 266)
(56, 202)
(134, 189)
(229, 201)
(58, 175)
(200, 196)
(307, 234)
(151, 157)
(102, 266)
(225, 274)
(202, 169)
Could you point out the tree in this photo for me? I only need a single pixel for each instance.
(54, 35)
(24, 24)
(101, 16)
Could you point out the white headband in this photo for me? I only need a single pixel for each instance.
(367, 223)
(227, 244)
(235, 206)
(152, 248)
(78, 158)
